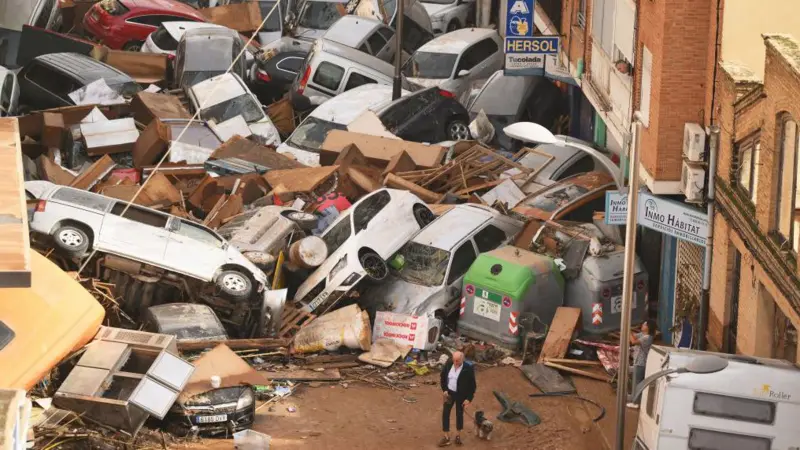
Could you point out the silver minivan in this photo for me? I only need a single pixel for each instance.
(80, 221)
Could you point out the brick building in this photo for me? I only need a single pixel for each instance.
(755, 290)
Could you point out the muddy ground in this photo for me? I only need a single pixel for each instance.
(362, 416)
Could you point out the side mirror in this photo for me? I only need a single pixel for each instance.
(463, 73)
(454, 291)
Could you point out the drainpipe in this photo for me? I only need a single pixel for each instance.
(713, 145)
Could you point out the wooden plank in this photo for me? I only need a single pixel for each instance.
(400, 162)
(15, 263)
(236, 344)
(546, 379)
(394, 181)
(94, 173)
(560, 335)
(305, 375)
(304, 179)
(574, 362)
(584, 373)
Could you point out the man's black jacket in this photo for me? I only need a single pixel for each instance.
(465, 387)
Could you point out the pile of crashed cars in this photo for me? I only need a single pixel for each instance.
(199, 217)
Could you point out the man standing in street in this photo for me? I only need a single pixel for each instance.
(458, 387)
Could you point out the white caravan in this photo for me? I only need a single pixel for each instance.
(752, 404)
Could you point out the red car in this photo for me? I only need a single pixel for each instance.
(125, 24)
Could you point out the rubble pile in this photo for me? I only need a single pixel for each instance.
(222, 255)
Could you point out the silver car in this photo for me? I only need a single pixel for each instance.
(80, 221)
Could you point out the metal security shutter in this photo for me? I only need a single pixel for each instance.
(689, 274)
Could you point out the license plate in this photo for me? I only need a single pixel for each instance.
(487, 309)
(616, 304)
(318, 300)
(212, 419)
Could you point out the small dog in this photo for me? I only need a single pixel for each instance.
(483, 426)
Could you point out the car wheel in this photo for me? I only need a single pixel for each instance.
(304, 220)
(374, 265)
(452, 26)
(235, 284)
(133, 46)
(423, 215)
(458, 130)
(72, 240)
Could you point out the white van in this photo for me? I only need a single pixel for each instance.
(752, 404)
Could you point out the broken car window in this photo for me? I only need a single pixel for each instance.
(311, 133)
(422, 264)
(243, 104)
(430, 65)
(337, 235)
(462, 259)
(557, 197)
(198, 233)
(489, 238)
(82, 198)
(369, 208)
(6, 335)
(320, 15)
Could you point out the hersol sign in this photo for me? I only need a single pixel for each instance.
(667, 216)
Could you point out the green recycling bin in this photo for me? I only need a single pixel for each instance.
(506, 288)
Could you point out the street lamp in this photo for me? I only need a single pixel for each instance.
(703, 364)
(535, 133)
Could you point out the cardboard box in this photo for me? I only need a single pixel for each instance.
(379, 150)
(53, 129)
(242, 17)
(153, 141)
(141, 66)
(421, 332)
(112, 136)
(147, 106)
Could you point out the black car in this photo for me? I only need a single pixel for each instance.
(430, 115)
(272, 77)
(47, 80)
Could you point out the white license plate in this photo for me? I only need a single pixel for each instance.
(212, 419)
(616, 304)
(485, 308)
(318, 300)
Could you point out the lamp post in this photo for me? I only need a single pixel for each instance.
(398, 55)
(703, 364)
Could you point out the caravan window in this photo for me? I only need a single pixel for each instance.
(717, 440)
(735, 408)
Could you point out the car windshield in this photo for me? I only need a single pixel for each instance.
(557, 197)
(311, 133)
(321, 15)
(430, 65)
(421, 264)
(244, 104)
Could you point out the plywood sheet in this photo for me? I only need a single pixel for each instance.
(15, 264)
(560, 335)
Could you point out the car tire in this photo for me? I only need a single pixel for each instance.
(423, 215)
(133, 46)
(452, 26)
(374, 265)
(304, 220)
(72, 240)
(235, 284)
(457, 129)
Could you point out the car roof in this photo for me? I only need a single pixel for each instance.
(451, 227)
(351, 30)
(83, 68)
(356, 56)
(176, 29)
(347, 106)
(206, 32)
(165, 5)
(455, 42)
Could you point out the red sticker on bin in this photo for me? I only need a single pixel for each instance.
(470, 289)
(507, 302)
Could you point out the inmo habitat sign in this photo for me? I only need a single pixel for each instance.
(667, 216)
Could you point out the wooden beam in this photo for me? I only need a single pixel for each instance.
(584, 373)
(560, 335)
(394, 181)
(235, 344)
(574, 362)
(305, 375)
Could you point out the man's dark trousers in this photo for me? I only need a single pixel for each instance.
(453, 398)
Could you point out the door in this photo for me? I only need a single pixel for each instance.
(140, 234)
(460, 262)
(483, 57)
(193, 249)
(388, 51)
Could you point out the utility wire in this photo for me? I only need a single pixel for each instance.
(191, 121)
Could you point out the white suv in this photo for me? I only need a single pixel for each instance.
(79, 221)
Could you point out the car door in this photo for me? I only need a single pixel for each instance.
(388, 51)
(193, 249)
(485, 57)
(460, 262)
(140, 234)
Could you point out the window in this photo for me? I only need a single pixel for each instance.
(290, 64)
(140, 215)
(376, 43)
(718, 440)
(356, 79)
(469, 59)
(52, 81)
(198, 233)
(414, 36)
(786, 179)
(489, 238)
(6, 335)
(82, 198)
(603, 24)
(337, 235)
(387, 33)
(406, 108)
(485, 49)
(748, 152)
(328, 75)
(244, 105)
(164, 40)
(368, 209)
(726, 407)
(462, 259)
(585, 212)
(581, 18)
(152, 21)
(647, 80)
(583, 165)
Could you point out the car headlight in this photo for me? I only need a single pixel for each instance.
(246, 399)
(338, 267)
(351, 279)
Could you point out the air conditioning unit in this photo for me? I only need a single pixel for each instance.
(693, 179)
(694, 142)
(139, 339)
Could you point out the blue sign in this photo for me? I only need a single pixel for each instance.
(519, 18)
(616, 208)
